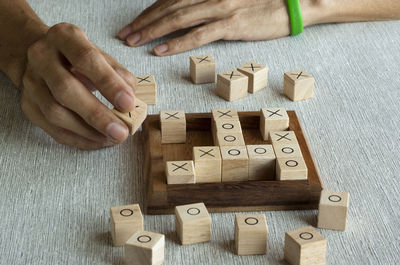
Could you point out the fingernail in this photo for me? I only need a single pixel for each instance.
(125, 32)
(133, 39)
(161, 48)
(117, 131)
(124, 101)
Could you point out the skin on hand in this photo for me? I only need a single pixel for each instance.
(62, 69)
(214, 20)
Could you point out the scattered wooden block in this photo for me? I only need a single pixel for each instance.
(257, 74)
(287, 150)
(235, 163)
(232, 85)
(283, 137)
(173, 126)
(262, 161)
(202, 69)
(305, 246)
(124, 221)
(251, 234)
(180, 172)
(273, 119)
(332, 211)
(298, 85)
(207, 164)
(135, 118)
(229, 139)
(146, 89)
(193, 223)
(144, 248)
(293, 168)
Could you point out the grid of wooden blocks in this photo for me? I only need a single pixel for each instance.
(135, 118)
(230, 159)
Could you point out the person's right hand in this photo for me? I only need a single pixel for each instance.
(62, 68)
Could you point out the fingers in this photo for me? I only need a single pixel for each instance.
(122, 71)
(195, 38)
(62, 136)
(88, 61)
(179, 19)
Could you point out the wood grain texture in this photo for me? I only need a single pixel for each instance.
(227, 196)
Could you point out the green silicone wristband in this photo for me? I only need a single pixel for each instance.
(296, 19)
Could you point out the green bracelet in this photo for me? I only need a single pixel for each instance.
(296, 19)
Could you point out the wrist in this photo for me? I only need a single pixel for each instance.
(314, 11)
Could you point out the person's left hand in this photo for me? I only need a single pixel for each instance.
(215, 20)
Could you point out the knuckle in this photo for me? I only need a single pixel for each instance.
(53, 113)
(95, 115)
(64, 29)
(85, 56)
(177, 17)
(61, 89)
(106, 80)
(36, 50)
(227, 5)
(200, 34)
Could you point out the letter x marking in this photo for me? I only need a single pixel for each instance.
(300, 75)
(252, 67)
(171, 115)
(179, 167)
(144, 79)
(225, 114)
(231, 74)
(283, 137)
(206, 153)
(130, 115)
(203, 59)
(274, 113)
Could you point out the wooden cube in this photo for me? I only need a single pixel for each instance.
(261, 162)
(235, 163)
(232, 85)
(305, 246)
(124, 222)
(224, 114)
(283, 137)
(202, 69)
(332, 210)
(146, 89)
(135, 118)
(298, 85)
(180, 172)
(193, 223)
(144, 248)
(287, 150)
(273, 119)
(293, 168)
(173, 126)
(207, 164)
(223, 126)
(229, 139)
(251, 234)
(257, 74)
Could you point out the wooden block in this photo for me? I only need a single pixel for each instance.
(229, 139)
(144, 248)
(287, 150)
(283, 137)
(146, 89)
(193, 223)
(273, 119)
(305, 246)
(180, 172)
(232, 85)
(173, 126)
(124, 221)
(293, 168)
(298, 85)
(202, 69)
(251, 234)
(228, 126)
(235, 163)
(135, 118)
(257, 74)
(261, 162)
(207, 164)
(332, 211)
(224, 114)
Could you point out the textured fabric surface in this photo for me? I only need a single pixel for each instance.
(55, 200)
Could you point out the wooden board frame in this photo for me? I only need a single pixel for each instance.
(223, 196)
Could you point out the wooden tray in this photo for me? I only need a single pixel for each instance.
(226, 196)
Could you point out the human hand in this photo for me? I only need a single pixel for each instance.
(214, 20)
(62, 68)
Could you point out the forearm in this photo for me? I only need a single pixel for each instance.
(19, 28)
